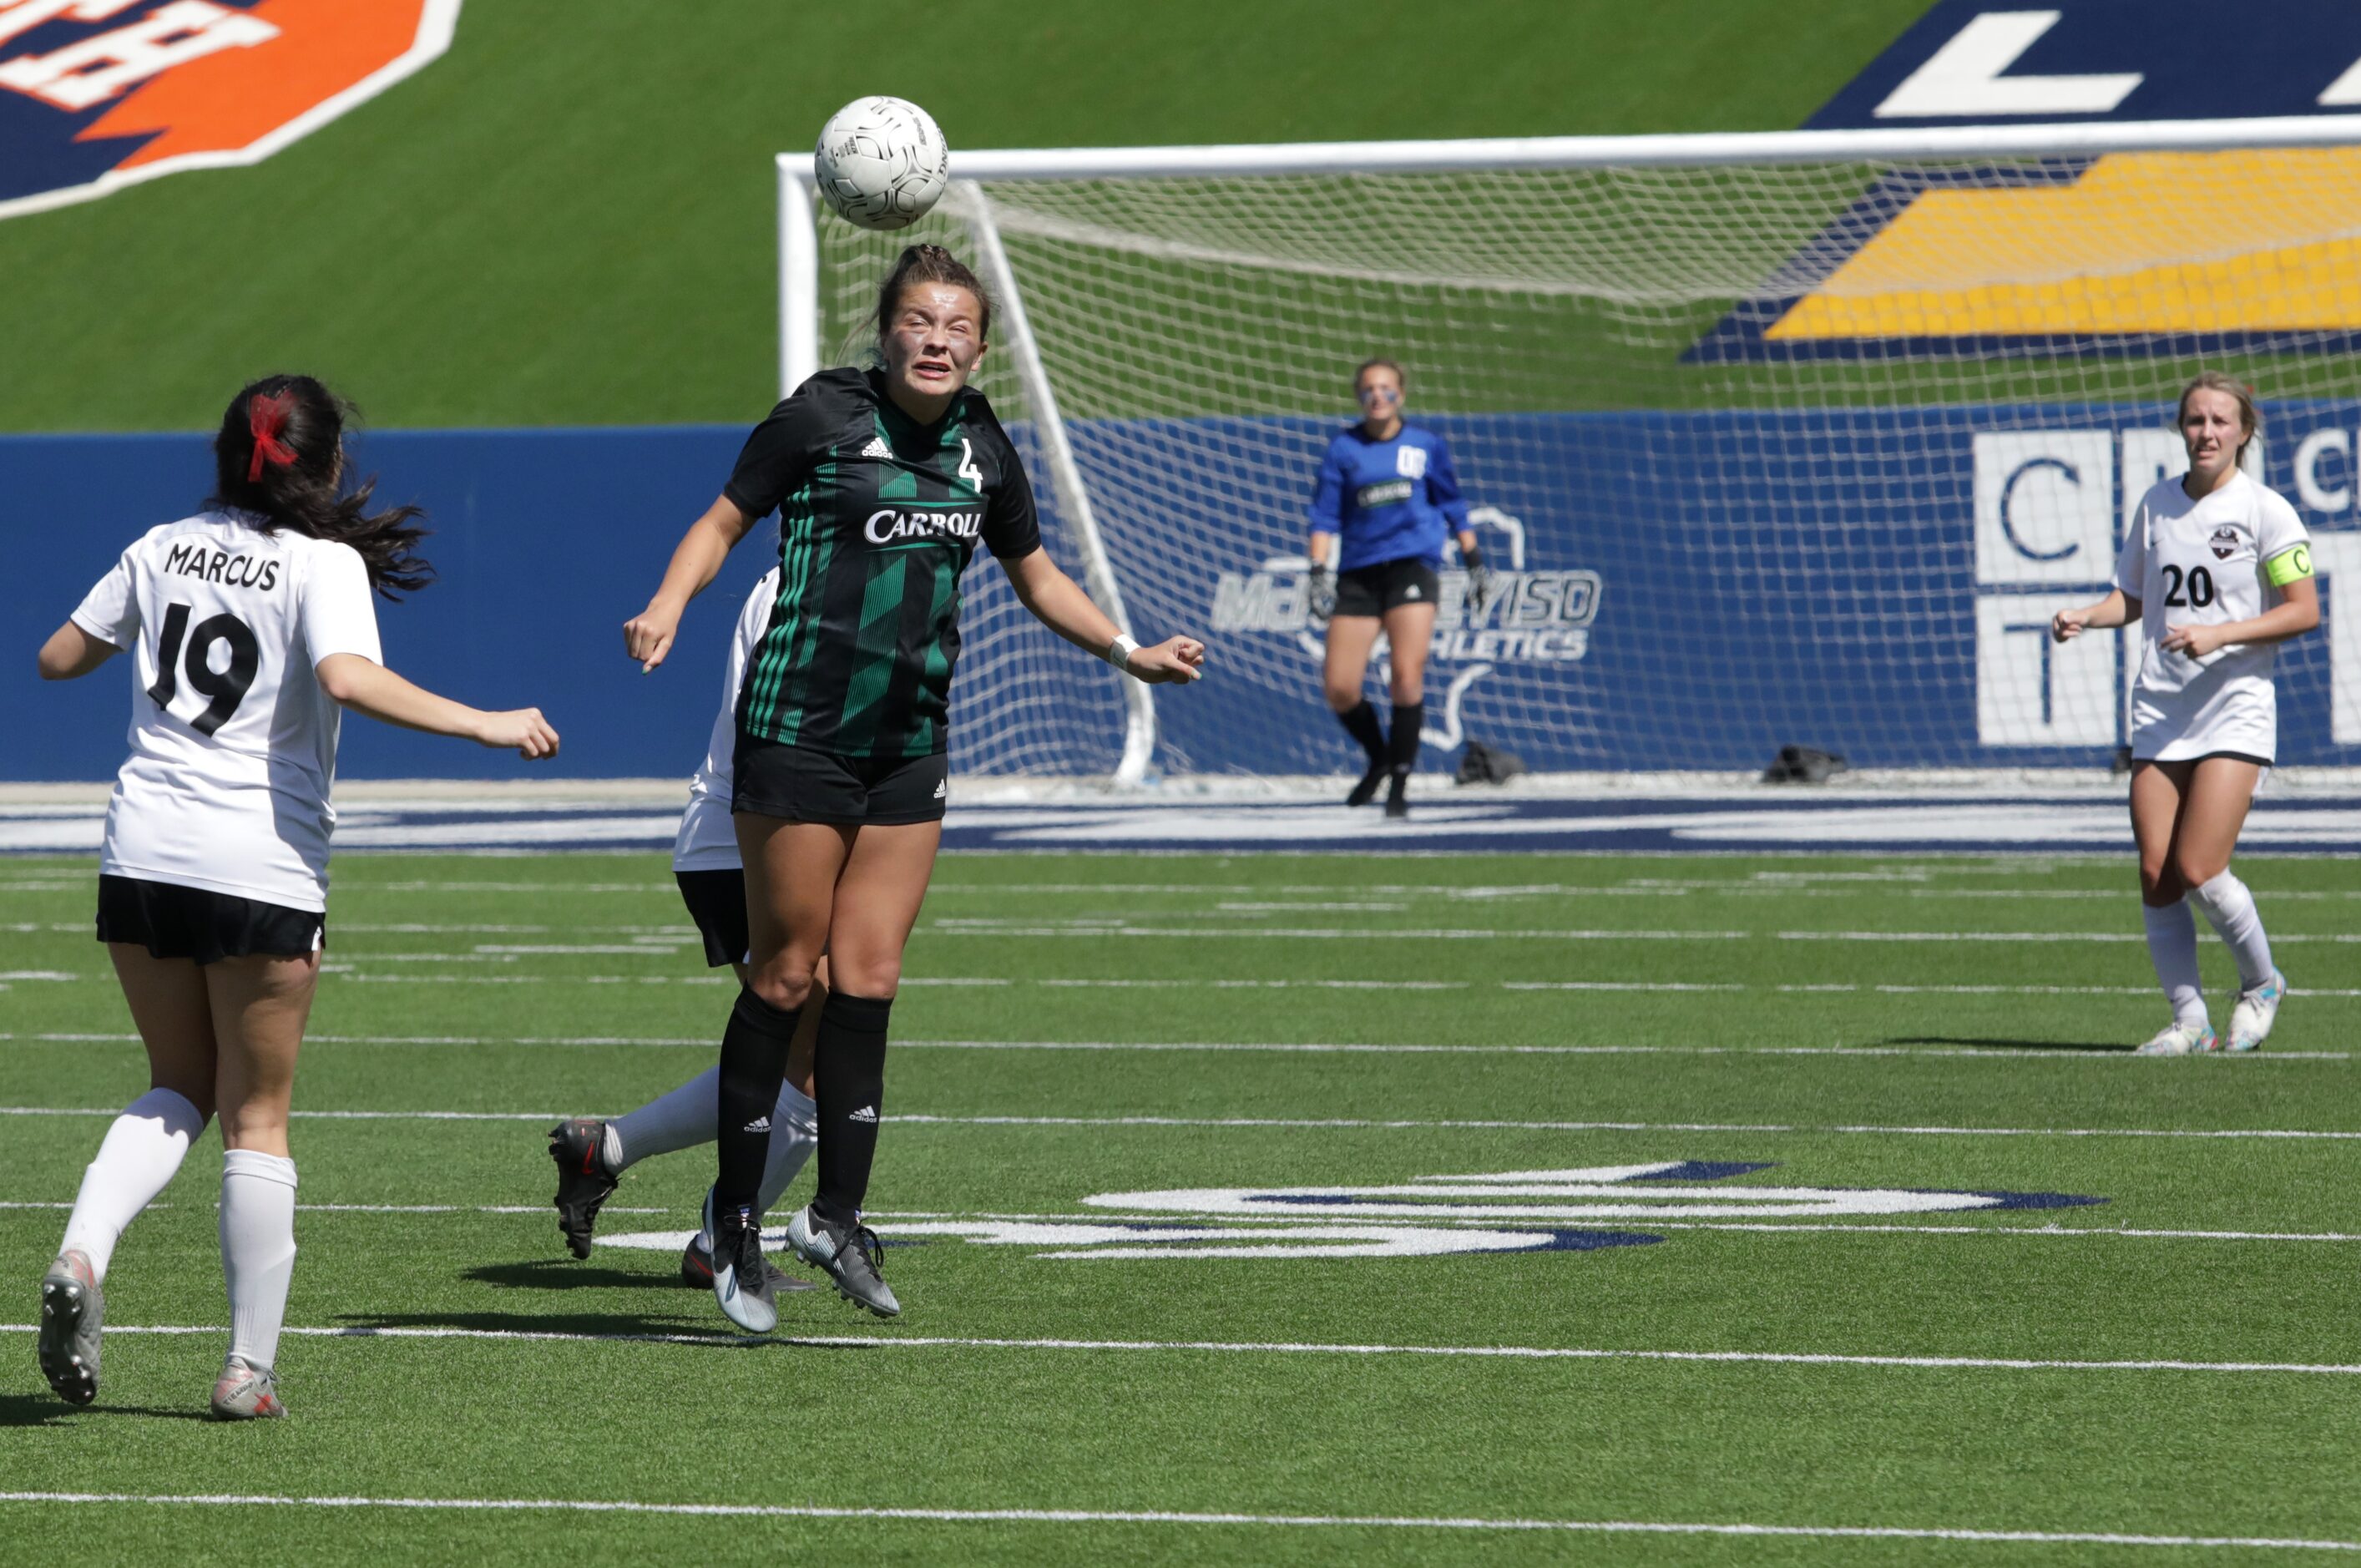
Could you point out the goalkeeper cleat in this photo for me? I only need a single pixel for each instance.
(2181, 1040)
(1367, 790)
(73, 1310)
(850, 1255)
(740, 1281)
(2251, 1019)
(583, 1182)
(1397, 796)
(246, 1393)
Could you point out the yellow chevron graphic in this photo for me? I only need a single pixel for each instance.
(2277, 248)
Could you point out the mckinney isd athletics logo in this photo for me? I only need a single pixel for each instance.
(1530, 618)
(97, 94)
(1434, 1216)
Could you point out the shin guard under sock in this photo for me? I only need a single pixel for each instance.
(1410, 719)
(753, 1066)
(2173, 948)
(1360, 721)
(258, 1249)
(2229, 907)
(141, 1151)
(849, 1074)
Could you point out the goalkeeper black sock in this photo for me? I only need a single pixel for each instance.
(849, 1074)
(1410, 718)
(754, 1065)
(1360, 721)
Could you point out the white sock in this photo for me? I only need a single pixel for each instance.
(2172, 947)
(795, 1133)
(257, 1247)
(679, 1120)
(2230, 908)
(138, 1155)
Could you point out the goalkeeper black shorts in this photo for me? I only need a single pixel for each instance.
(1374, 589)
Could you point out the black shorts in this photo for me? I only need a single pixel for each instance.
(175, 922)
(717, 902)
(1375, 589)
(796, 783)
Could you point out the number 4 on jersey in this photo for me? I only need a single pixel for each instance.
(224, 688)
(967, 468)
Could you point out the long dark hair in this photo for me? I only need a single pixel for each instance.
(931, 264)
(279, 457)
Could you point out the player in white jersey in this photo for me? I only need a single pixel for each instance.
(2217, 569)
(592, 1153)
(250, 627)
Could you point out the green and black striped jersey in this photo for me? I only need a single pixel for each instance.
(878, 515)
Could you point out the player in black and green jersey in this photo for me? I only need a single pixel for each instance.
(884, 481)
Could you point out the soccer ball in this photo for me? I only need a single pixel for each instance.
(881, 162)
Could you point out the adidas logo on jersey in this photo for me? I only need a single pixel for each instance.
(759, 1124)
(877, 448)
(866, 1113)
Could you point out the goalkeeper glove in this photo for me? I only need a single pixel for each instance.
(1481, 580)
(1320, 594)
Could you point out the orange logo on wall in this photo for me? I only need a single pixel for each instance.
(97, 94)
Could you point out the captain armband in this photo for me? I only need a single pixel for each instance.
(2289, 565)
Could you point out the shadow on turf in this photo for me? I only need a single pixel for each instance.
(566, 1273)
(48, 1410)
(1981, 1042)
(607, 1325)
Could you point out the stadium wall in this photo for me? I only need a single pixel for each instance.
(1676, 607)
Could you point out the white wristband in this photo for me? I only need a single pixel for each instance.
(1120, 650)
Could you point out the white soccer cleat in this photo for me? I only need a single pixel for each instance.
(2258, 1010)
(2181, 1040)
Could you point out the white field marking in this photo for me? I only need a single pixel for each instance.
(642, 948)
(711, 1043)
(382, 1208)
(1262, 984)
(1114, 926)
(1165, 1517)
(1355, 1123)
(37, 975)
(1240, 906)
(2276, 938)
(1292, 1347)
(412, 979)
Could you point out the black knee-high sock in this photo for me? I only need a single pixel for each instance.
(849, 1074)
(754, 1065)
(1360, 721)
(1410, 718)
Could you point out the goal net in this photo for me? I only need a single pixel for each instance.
(1778, 442)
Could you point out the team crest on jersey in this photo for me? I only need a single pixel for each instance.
(97, 94)
(2225, 542)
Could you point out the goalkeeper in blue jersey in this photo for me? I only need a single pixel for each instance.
(1387, 498)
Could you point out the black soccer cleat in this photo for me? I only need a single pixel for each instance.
(1397, 796)
(583, 1183)
(1367, 790)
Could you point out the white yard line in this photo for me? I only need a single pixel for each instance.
(2277, 939)
(380, 1207)
(1173, 1518)
(1297, 1347)
(1280, 1049)
(1356, 1123)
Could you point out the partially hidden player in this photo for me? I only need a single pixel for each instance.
(251, 628)
(885, 480)
(591, 1152)
(2217, 569)
(1387, 496)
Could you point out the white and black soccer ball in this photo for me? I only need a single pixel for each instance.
(882, 162)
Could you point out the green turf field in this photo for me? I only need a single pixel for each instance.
(569, 219)
(1893, 1023)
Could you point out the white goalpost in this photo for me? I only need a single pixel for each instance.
(1783, 437)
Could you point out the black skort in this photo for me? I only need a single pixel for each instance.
(1372, 590)
(175, 922)
(717, 902)
(797, 784)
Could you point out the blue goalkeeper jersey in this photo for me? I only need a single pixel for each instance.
(1387, 500)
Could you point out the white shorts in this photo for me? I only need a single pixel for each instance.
(2205, 720)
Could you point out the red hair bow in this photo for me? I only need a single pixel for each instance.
(265, 417)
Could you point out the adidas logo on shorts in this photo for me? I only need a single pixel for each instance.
(1410, 592)
(941, 786)
(866, 1113)
(877, 448)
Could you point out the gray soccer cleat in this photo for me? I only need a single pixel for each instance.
(73, 1311)
(850, 1255)
(696, 1270)
(740, 1283)
(246, 1393)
